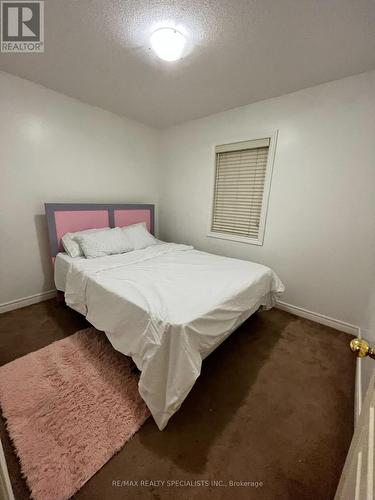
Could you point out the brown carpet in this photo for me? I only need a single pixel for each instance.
(274, 404)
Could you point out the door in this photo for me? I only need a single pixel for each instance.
(357, 479)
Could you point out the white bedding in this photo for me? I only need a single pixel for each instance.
(168, 306)
(62, 264)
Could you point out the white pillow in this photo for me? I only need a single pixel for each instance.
(138, 236)
(102, 243)
(71, 246)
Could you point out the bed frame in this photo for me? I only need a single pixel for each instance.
(71, 217)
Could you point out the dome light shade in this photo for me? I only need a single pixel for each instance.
(168, 43)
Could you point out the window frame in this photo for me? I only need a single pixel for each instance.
(266, 193)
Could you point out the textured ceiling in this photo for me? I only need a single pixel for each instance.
(240, 51)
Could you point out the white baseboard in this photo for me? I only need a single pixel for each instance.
(358, 390)
(26, 301)
(319, 318)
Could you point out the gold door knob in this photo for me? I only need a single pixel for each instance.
(361, 348)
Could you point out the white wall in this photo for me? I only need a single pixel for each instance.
(57, 149)
(320, 231)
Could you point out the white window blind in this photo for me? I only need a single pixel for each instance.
(239, 188)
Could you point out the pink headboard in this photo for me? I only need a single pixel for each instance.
(71, 217)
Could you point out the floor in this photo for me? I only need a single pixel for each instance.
(274, 405)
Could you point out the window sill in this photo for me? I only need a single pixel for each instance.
(233, 237)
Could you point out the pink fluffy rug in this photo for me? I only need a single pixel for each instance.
(69, 408)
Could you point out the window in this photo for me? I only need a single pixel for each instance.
(242, 179)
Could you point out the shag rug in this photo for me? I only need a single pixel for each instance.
(69, 407)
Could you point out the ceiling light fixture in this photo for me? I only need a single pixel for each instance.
(168, 43)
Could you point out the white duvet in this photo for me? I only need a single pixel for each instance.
(168, 306)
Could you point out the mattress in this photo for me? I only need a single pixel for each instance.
(167, 306)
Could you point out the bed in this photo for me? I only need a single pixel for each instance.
(168, 306)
